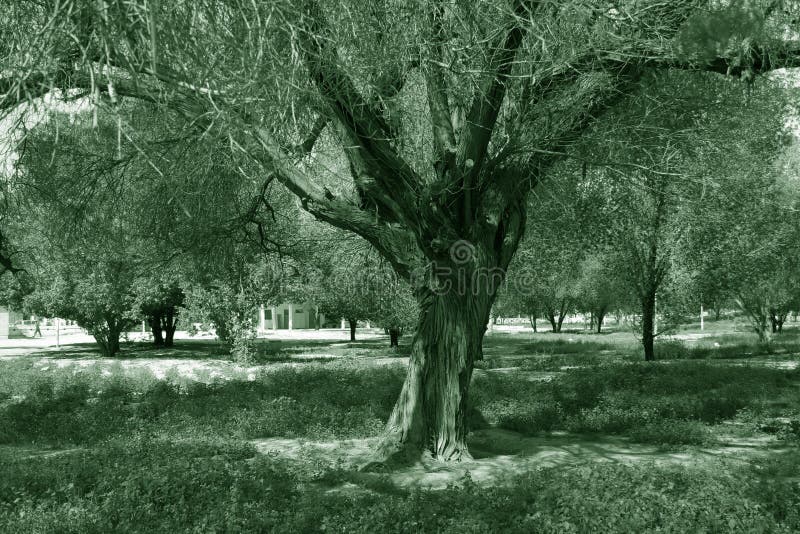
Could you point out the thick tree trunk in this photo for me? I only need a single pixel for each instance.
(430, 414)
(600, 316)
(648, 325)
(352, 323)
(532, 319)
(394, 337)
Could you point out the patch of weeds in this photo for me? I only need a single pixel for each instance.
(673, 350)
(540, 417)
(669, 432)
(777, 487)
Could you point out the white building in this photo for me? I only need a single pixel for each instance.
(289, 316)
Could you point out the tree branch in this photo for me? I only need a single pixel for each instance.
(397, 245)
(394, 178)
(444, 140)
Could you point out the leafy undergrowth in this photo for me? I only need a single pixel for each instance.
(145, 484)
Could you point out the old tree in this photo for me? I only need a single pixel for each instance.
(446, 114)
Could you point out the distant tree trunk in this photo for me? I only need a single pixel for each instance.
(156, 327)
(776, 320)
(552, 318)
(532, 319)
(352, 323)
(562, 313)
(170, 324)
(759, 316)
(107, 338)
(394, 337)
(717, 311)
(648, 325)
(601, 314)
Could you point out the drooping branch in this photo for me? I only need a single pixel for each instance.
(444, 141)
(489, 96)
(396, 244)
(395, 182)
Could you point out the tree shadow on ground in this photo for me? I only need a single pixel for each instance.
(194, 349)
(500, 454)
(184, 349)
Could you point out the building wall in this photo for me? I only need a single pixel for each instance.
(5, 320)
(303, 316)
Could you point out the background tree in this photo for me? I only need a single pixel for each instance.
(396, 308)
(160, 301)
(601, 287)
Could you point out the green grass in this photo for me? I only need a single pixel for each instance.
(664, 404)
(148, 455)
(151, 485)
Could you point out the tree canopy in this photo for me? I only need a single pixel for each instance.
(420, 126)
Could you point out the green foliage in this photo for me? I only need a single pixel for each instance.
(354, 283)
(93, 290)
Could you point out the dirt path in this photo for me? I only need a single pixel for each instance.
(500, 454)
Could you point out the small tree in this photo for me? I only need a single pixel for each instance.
(396, 308)
(601, 288)
(159, 301)
(94, 292)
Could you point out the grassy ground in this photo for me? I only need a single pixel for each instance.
(571, 434)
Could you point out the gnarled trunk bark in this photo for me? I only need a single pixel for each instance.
(430, 413)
